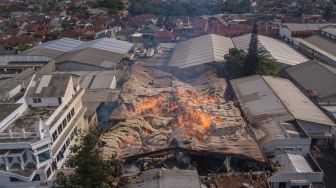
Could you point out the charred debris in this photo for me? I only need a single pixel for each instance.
(163, 122)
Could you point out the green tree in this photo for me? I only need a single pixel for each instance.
(268, 65)
(251, 63)
(234, 63)
(90, 170)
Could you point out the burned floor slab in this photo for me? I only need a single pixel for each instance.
(159, 111)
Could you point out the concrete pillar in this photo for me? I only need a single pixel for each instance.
(227, 163)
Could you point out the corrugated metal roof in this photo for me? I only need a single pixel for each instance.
(97, 79)
(49, 85)
(329, 30)
(107, 44)
(54, 48)
(264, 97)
(292, 163)
(296, 102)
(315, 76)
(257, 100)
(200, 50)
(279, 50)
(323, 43)
(314, 47)
(105, 52)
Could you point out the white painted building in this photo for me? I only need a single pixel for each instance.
(37, 131)
(295, 171)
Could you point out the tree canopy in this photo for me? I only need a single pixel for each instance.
(256, 61)
(90, 170)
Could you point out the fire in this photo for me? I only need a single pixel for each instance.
(186, 106)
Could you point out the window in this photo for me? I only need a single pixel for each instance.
(54, 135)
(64, 123)
(289, 149)
(299, 149)
(72, 135)
(67, 142)
(60, 128)
(37, 100)
(10, 159)
(33, 157)
(69, 116)
(48, 172)
(295, 186)
(36, 177)
(43, 156)
(24, 156)
(12, 179)
(305, 186)
(72, 112)
(278, 149)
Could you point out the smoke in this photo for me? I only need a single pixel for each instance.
(182, 161)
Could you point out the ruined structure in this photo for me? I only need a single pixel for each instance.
(160, 116)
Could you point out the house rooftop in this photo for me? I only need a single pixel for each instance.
(292, 163)
(30, 118)
(324, 43)
(53, 85)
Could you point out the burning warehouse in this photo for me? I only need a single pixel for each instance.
(161, 121)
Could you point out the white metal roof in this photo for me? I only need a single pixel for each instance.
(200, 50)
(61, 45)
(108, 44)
(279, 50)
(296, 102)
(257, 99)
(292, 163)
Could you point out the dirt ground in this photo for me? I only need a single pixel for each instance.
(326, 158)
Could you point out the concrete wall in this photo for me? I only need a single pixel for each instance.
(46, 101)
(299, 146)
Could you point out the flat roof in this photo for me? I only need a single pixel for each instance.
(30, 118)
(292, 163)
(200, 50)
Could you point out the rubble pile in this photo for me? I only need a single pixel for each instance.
(159, 111)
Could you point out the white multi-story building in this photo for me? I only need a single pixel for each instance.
(37, 131)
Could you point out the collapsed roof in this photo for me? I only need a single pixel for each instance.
(158, 111)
